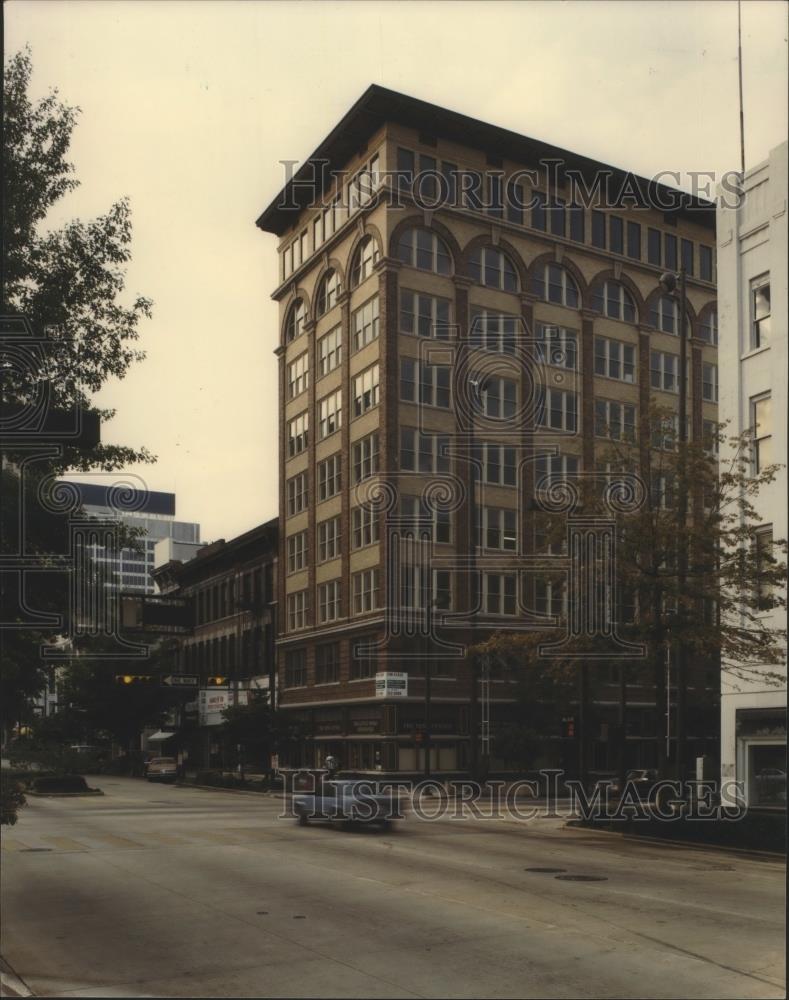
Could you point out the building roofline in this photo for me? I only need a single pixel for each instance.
(378, 105)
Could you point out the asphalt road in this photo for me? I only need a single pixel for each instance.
(162, 891)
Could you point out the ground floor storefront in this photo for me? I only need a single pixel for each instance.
(753, 748)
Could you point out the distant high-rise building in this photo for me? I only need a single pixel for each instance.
(149, 510)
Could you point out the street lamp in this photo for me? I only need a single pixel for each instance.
(673, 283)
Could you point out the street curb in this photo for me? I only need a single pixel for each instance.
(672, 842)
(65, 795)
(218, 788)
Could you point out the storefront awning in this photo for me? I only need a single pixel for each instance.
(160, 736)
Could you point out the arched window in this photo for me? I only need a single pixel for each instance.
(708, 328)
(294, 325)
(664, 315)
(364, 260)
(424, 250)
(553, 283)
(327, 292)
(612, 299)
(493, 268)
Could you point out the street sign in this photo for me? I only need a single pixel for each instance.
(181, 680)
(391, 684)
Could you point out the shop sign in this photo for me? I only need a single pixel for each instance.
(391, 684)
(212, 703)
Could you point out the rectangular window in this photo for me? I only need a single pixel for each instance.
(499, 594)
(364, 324)
(329, 477)
(557, 346)
(365, 591)
(634, 240)
(760, 311)
(762, 423)
(328, 539)
(298, 434)
(450, 173)
(365, 526)
(710, 437)
(424, 315)
(498, 397)
(366, 389)
(550, 598)
(424, 384)
(295, 668)
(497, 529)
(297, 494)
(577, 223)
(329, 601)
(497, 463)
(298, 376)
(687, 256)
(664, 371)
(330, 351)
(557, 409)
(297, 552)
(538, 220)
(438, 523)
(616, 234)
(442, 590)
(709, 382)
(670, 244)
(614, 420)
(365, 458)
(763, 554)
(329, 414)
(598, 229)
(495, 203)
(423, 452)
(558, 223)
(297, 610)
(613, 359)
(363, 664)
(405, 169)
(327, 663)
(515, 203)
(705, 262)
(493, 331)
(317, 232)
(654, 241)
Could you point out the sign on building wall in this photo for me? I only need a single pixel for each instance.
(212, 703)
(391, 684)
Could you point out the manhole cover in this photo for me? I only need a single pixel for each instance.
(582, 878)
(545, 871)
(36, 850)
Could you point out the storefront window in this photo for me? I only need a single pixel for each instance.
(767, 775)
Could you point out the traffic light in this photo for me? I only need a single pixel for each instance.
(569, 727)
(138, 679)
(216, 682)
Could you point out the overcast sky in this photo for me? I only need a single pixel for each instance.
(188, 108)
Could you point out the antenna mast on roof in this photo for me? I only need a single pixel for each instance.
(739, 63)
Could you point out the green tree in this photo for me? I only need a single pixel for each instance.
(250, 727)
(69, 281)
(712, 615)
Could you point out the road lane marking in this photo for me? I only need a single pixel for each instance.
(114, 841)
(65, 843)
(13, 845)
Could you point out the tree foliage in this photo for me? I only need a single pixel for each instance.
(70, 284)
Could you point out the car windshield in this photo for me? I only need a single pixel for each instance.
(163, 760)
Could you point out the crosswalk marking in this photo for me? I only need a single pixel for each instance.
(13, 845)
(115, 841)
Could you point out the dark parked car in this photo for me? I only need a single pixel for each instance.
(345, 801)
(641, 783)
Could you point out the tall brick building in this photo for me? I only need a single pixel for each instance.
(403, 311)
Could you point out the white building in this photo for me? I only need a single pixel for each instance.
(752, 318)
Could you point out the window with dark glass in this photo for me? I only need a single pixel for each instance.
(515, 203)
(654, 241)
(616, 234)
(405, 168)
(557, 210)
(705, 262)
(495, 202)
(538, 220)
(577, 225)
(327, 663)
(687, 256)
(634, 240)
(670, 243)
(598, 229)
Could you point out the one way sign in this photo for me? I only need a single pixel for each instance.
(181, 680)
